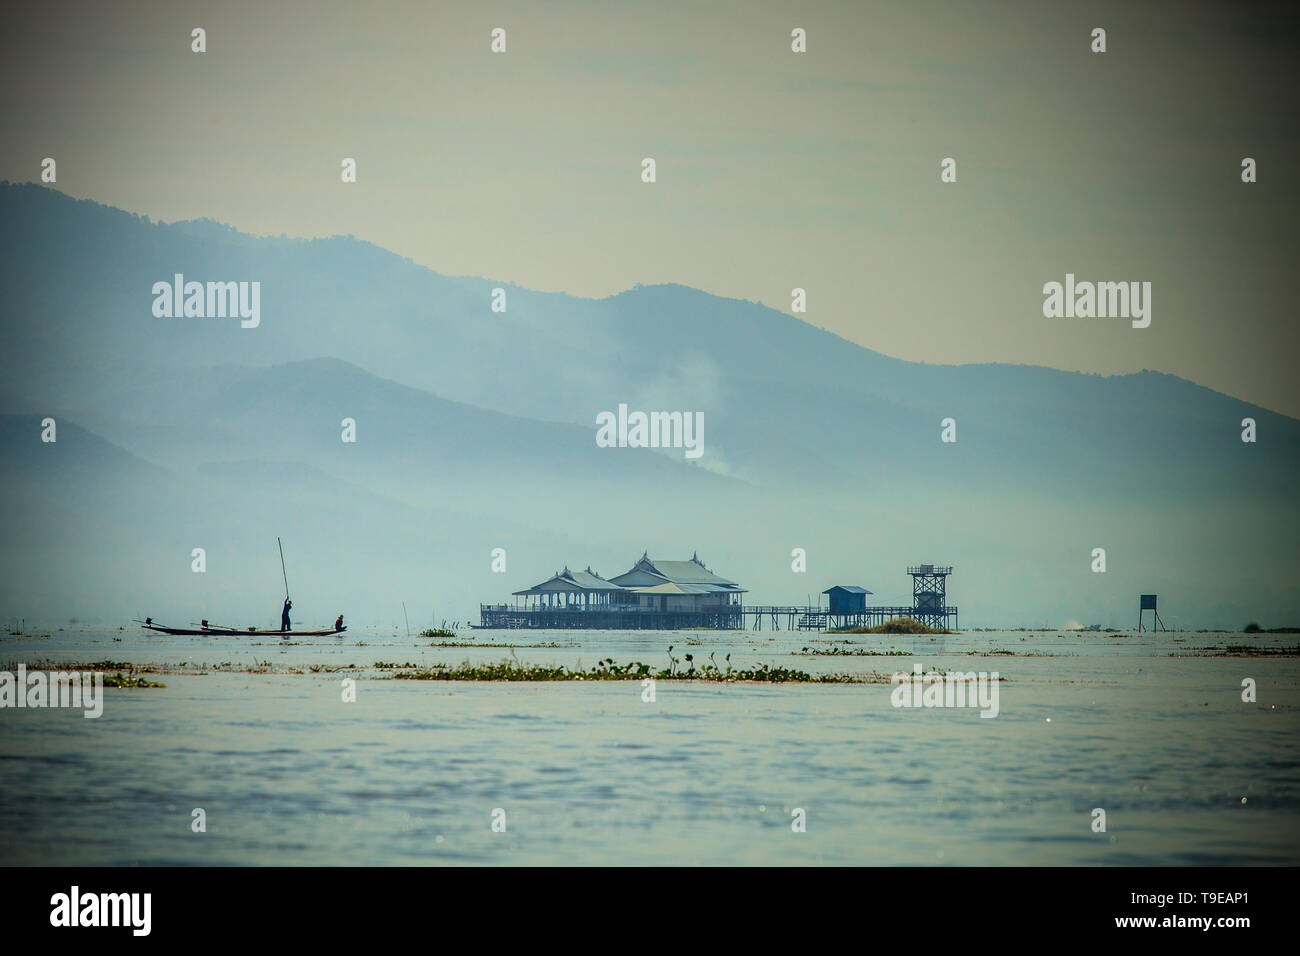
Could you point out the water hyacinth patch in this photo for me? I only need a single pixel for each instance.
(608, 669)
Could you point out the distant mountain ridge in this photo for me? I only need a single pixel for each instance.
(810, 441)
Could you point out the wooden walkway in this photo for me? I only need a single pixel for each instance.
(729, 618)
(820, 619)
(725, 618)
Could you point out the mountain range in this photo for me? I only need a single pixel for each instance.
(475, 429)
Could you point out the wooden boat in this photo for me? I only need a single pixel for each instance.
(205, 629)
(252, 631)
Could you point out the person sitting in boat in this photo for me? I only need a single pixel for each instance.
(338, 623)
(284, 615)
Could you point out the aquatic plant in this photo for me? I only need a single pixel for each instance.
(849, 652)
(127, 680)
(1240, 650)
(475, 644)
(899, 625)
(609, 669)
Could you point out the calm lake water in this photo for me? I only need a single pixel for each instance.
(588, 773)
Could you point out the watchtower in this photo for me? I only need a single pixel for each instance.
(930, 595)
(1149, 602)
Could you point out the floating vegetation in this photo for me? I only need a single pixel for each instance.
(437, 632)
(129, 680)
(936, 673)
(848, 652)
(473, 644)
(514, 670)
(1241, 650)
(116, 673)
(84, 666)
(899, 625)
(1005, 653)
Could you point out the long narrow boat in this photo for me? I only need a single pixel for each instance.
(204, 628)
(252, 631)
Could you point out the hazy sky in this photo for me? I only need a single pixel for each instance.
(775, 169)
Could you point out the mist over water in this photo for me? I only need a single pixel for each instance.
(477, 430)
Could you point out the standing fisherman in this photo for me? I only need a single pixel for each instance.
(284, 614)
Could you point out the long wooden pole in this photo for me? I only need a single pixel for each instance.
(282, 570)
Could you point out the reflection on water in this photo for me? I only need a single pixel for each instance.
(589, 773)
